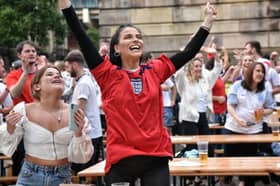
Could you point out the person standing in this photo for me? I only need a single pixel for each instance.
(194, 84)
(18, 83)
(219, 94)
(132, 99)
(245, 97)
(6, 102)
(69, 82)
(169, 97)
(43, 125)
(254, 48)
(84, 95)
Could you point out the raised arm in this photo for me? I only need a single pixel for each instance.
(197, 40)
(90, 52)
(12, 132)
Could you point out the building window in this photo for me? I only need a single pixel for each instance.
(85, 3)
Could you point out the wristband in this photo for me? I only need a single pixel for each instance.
(205, 28)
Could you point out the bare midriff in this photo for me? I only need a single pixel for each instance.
(44, 162)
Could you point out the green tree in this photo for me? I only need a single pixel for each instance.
(94, 35)
(23, 19)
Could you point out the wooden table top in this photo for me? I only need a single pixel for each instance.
(215, 166)
(224, 166)
(3, 157)
(94, 171)
(226, 138)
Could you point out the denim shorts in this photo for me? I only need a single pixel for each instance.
(32, 174)
(168, 116)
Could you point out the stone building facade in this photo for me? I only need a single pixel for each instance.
(168, 24)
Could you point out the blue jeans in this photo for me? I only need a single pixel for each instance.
(32, 174)
(168, 116)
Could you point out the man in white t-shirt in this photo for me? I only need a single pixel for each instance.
(85, 97)
(169, 98)
(69, 82)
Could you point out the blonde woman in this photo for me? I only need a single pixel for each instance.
(194, 85)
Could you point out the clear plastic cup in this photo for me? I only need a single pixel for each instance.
(203, 151)
(120, 184)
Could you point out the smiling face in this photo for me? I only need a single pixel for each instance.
(47, 81)
(196, 69)
(247, 60)
(130, 45)
(258, 73)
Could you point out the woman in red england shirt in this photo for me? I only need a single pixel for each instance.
(138, 146)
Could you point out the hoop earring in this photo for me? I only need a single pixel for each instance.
(116, 54)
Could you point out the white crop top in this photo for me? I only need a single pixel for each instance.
(41, 143)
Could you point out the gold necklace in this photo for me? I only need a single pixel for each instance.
(59, 117)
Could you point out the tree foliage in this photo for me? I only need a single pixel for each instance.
(94, 35)
(23, 19)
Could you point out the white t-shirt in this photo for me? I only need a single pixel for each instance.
(246, 102)
(271, 74)
(7, 101)
(167, 95)
(85, 89)
(277, 96)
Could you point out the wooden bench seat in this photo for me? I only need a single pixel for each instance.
(13, 179)
(8, 180)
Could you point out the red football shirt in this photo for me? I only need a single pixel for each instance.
(134, 121)
(26, 94)
(219, 90)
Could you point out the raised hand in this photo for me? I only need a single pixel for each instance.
(210, 10)
(62, 4)
(237, 55)
(12, 119)
(210, 14)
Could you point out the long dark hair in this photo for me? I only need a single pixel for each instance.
(248, 78)
(116, 59)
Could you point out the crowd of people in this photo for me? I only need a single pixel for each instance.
(135, 99)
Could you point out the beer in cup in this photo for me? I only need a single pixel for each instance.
(202, 151)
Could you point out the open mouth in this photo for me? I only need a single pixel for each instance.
(56, 82)
(135, 48)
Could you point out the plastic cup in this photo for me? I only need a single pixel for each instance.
(258, 115)
(202, 151)
(278, 111)
(120, 184)
(275, 130)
